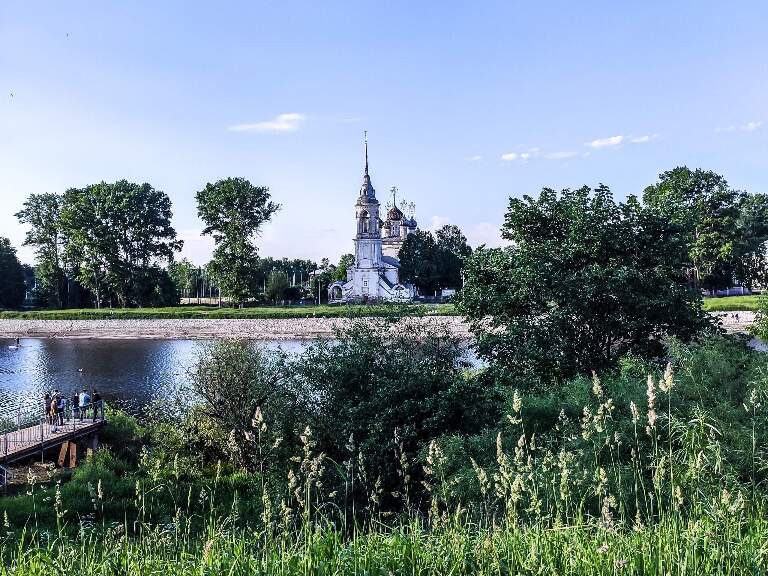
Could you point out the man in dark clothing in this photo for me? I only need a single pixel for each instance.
(97, 404)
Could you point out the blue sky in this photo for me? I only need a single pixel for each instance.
(466, 104)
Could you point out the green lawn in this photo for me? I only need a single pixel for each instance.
(724, 304)
(323, 311)
(731, 303)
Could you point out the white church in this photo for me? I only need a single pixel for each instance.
(375, 275)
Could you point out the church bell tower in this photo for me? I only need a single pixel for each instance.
(368, 237)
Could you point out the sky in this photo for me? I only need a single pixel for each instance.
(465, 104)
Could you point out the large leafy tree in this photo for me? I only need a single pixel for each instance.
(116, 232)
(419, 261)
(234, 211)
(12, 287)
(452, 251)
(707, 210)
(41, 214)
(750, 262)
(346, 262)
(585, 282)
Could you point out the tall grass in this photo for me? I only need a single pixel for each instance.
(640, 492)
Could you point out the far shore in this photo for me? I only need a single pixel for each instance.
(252, 328)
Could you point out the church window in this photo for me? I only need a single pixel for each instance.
(365, 221)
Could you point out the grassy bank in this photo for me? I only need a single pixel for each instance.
(209, 312)
(731, 303)
(724, 304)
(672, 548)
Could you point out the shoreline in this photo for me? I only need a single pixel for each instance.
(200, 329)
(251, 328)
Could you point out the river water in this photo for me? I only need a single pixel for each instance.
(130, 373)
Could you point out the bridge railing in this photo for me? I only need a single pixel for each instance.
(29, 428)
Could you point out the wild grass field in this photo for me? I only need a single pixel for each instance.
(644, 471)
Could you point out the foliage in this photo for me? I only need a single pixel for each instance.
(346, 262)
(322, 278)
(115, 234)
(234, 210)
(585, 282)
(382, 389)
(434, 262)
(11, 276)
(726, 230)
(633, 476)
(41, 213)
(452, 251)
(419, 262)
(245, 391)
(277, 287)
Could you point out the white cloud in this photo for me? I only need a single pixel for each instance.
(485, 233)
(278, 125)
(560, 155)
(475, 158)
(605, 142)
(437, 222)
(524, 156)
(746, 127)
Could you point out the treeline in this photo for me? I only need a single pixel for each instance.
(114, 245)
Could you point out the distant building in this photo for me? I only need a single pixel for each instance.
(375, 275)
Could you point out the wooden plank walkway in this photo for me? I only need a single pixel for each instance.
(26, 442)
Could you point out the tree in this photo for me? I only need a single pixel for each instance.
(248, 399)
(322, 278)
(116, 232)
(706, 209)
(184, 275)
(378, 397)
(585, 282)
(452, 251)
(41, 214)
(418, 261)
(234, 211)
(750, 262)
(12, 287)
(277, 287)
(346, 262)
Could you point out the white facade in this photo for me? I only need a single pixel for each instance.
(375, 274)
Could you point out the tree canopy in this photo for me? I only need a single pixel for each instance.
(434, 262)
(725, 229)
(586, 281)
(115, 233)
(234, 211)
(12, 286)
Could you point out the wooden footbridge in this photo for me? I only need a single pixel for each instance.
(26, 434)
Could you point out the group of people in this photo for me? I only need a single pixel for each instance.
(82, 404)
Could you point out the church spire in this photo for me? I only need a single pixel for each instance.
(366, 190)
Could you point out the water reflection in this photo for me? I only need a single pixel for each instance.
(132, 372)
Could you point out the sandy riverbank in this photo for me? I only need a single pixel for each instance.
(257, 329)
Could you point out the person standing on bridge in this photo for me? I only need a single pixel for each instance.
(47, 407)
(54, 411)
(85, 400)
(75, 405)
(97, 404)
(61, 405)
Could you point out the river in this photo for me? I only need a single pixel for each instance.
(130, 373)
